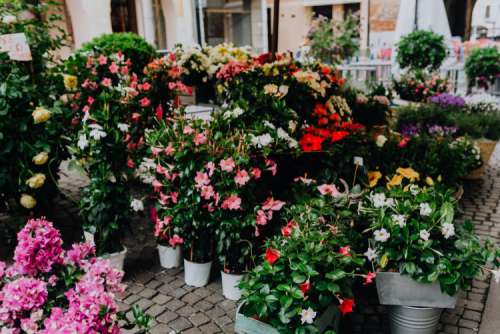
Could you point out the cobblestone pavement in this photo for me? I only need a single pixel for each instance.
(177, 308)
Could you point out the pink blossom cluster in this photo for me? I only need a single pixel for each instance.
(31, 299)
(231, 69)
(39, 248)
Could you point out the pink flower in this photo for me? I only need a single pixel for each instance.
(329, 189)
(174, 196)
(304, 180)
(160, 225)
(287, 230)
(271, 166)
(85, 109)
(106, 82)
(201, 179)
(130, 163)
(169, 150)
(146, 86)
(241, 177)
(261, 218)
(233, 202)
(188, 130)
(144, 102)
(272, 204)
(90, 100)
(2, 269)
(227, 165)
(256, 173)
(199, 139)
(79, 254)
(175, 240)
(39, 248)
(113, 68)
(102, 60)
(207, 192)
(156, 151)
(211, 168)
(369, 278)
(24, 294)
(156, 185)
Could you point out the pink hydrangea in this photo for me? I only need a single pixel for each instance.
(39, 248)
(23, 294)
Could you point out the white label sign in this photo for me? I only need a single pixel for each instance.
(16, 46)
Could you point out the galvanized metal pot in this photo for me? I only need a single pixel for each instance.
(414, 320)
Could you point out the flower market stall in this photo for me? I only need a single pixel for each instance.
(299, 190)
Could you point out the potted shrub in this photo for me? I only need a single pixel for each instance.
(50, 290)
(423, 257)
(305, 278)
(482, 67)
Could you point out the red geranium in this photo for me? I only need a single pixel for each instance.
(338, 135)
(311, 143)
(346, 306)
(272, 255)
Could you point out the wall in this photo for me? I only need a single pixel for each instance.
(383, 18)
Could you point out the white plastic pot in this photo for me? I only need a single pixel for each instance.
(169, 257)
(88, 236)
(230, 288)
(197, 274)
(117, 259)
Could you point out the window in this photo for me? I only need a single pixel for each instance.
(123, 16)
(487, 14)
(326, 11)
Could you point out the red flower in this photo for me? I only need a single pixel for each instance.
(159, 112)
(310, 143)
(305, 287)
(338, 135)
(346, 251)
(369, 278)
(130, 163)
(323, 121)
(272, 255)
(403, 142)
(144, 102)
(287, 230)
(346, 306)
(320, 110)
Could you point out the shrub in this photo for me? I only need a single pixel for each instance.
(421, 50)
(131, 45)
(482, 66)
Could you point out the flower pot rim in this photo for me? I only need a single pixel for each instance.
(123, 251)
(232, 274)
(198, 262)
(166, 246)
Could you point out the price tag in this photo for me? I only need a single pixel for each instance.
(358, 161)
(16, 45)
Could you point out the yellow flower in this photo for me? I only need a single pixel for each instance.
(41, 158)
(41, 115)
(429, 181)
(408, 173)
(439, 179)
(270, 89)
(36, 181)
(395, 181)
(70, 81)
(373, 177)
(27, 201)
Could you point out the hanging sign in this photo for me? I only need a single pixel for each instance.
(16, 45)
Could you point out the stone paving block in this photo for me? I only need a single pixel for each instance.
(155, 310)
(198, 319)
(167, 317)
(180, 324)
(210, 328)
(161, 329)
(148, 293)
(174, 305)
(144, 303)
(186, 311)
(161, 299)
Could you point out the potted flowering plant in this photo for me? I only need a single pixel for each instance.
(182, 216)
(49, 290)
(112, 107)
(306, 275)
(419, 86)
(424, 257)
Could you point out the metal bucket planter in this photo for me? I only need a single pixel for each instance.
(414, 320)
(415, 307)
(246, 325)
(170, 257)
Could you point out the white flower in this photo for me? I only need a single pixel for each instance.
(269, 125)
(122, 127)
(496, 274)
(137, 205)
(378, 200)
(97, 134)
(83, 142)
(424, 235)
(448, 230)
(283, 90)
(7, 19)
(371, 254)
(85, 117)
(292, 126)
(414, 189)
(425, 209)
(381, 235)
(307, 316)
(380, 141)
(389, 202)
(262, 140)
(235, 113)
(400, 220)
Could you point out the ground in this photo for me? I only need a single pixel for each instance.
(177, 308)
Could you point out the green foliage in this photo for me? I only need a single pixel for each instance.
(134, 47)
(24, 86)
(310, 271)
(421, 50)
(423, 239)
(475, 125)
(331, 42)
(482, 66)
